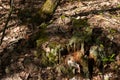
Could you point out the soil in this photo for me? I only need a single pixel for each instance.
(18, 60)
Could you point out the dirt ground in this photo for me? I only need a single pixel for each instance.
(18, 59)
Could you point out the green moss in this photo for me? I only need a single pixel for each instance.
(112, 31)
(36, 54)
(84, 35)
(53, 44)
(40, 41)
(48, 8)
(44, 60)
(84, 64)
(82, 29)
(43, 25)
(79, 23)
(52, 59)
(48, 59)
(67, 71)
(42, 38)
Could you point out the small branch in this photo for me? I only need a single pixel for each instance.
(85, 9)
(9, 15)
(96, 11)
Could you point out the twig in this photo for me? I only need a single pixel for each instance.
(9, 15)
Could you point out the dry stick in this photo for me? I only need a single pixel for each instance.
(96, 11)
(9, 15)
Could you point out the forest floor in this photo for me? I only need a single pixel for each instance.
(20, 51)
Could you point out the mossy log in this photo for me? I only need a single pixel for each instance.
(48, 9)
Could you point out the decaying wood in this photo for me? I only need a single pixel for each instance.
(48, 9)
